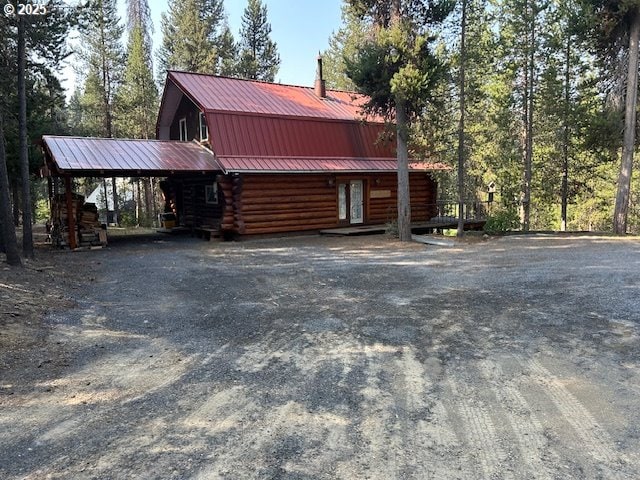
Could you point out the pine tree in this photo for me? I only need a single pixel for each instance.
(228, 57)
(194, 37)
(618, 27)
(103, 58)
(259, 59)
(38, 43)
(7, 231)
(344, 44)
(398, 71)
(461, 125)
(137, 97)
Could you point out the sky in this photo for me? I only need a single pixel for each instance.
(300, 29)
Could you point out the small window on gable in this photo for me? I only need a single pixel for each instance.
(204, 131)
(211, 194)
(182, 124)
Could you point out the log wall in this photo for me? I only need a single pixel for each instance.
(423, 197)
(287, 203)
(263, 203)
(192, 208)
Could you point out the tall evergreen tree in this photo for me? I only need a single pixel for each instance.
(461, 125)
(103, 57)
(7, 231)
(27, 233)
(137, 97)
(194, 37)
(139, 15)
(398, 71)
(228, 56)
(618, 29)
(344, 43)
(259, 59)
(37, 44)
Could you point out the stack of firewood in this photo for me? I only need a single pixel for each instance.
(59, 218)
(88, 229)
(88, 217)
(89, 226)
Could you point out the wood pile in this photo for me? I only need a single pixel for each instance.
(88, 229)
(59, 219)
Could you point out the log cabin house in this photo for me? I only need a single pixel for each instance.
(244, 157)
(291, 158)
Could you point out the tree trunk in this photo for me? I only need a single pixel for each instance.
(27, 231)
(106, 200)
(148, 202)
(7, 230)
(463, 52)
(564, 189)
(404, 204)
(626, 166)
(116, 210)
(138, 198)
(15, 193)
(528, 154)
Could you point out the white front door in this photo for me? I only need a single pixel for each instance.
(356, 196)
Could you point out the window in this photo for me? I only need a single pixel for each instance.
(342, 201)
(211, 194)
(204, 131)
(182, 124)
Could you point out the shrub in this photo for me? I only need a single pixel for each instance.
(392, 229)
(502, 221)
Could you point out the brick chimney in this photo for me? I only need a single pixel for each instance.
(320, 88)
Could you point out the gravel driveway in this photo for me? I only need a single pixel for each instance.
(326, 358)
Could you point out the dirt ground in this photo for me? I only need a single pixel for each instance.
(323, 358)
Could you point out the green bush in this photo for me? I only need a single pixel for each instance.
(42, 211)
(502, 221)
(127, 219)
(392, 229)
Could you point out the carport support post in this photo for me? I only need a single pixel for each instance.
(71, 221)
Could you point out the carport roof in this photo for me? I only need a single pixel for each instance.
(125, 157)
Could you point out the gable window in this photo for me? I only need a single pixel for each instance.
(211, 194)
(204, 131)
(182, 124)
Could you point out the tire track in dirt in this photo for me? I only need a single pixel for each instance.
(377, 428)
(528, 431)
(426, 434)
(267, 438)
(473, 425)
(594, 438)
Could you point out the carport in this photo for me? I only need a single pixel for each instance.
(67, 158)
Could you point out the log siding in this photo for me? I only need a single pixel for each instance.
(276, 203)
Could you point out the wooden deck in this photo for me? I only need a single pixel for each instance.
(418, 227)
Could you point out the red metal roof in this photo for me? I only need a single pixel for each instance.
(266, 127)
(232, 164)
(235, 135)
(222, 94)
(72, 154)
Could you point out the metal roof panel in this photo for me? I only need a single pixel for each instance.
(111, 154)
(246, 164)
(214, 93)
(245, 135)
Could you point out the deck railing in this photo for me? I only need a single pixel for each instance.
(448, 209)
